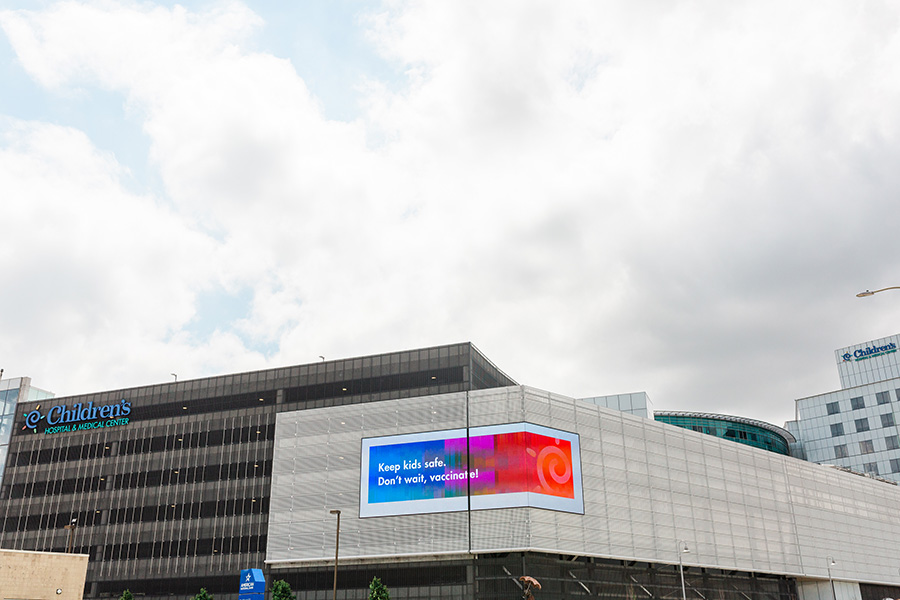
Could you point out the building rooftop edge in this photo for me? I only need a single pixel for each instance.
(183, 382)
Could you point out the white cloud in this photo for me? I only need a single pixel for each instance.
(604, 198)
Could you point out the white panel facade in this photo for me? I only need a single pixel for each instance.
(646, 486)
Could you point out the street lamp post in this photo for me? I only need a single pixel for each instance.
(71, 529)
(830, 563)
(682, 550)
(337, 541)
(873, 292)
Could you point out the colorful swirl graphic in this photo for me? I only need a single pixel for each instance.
(553, 463)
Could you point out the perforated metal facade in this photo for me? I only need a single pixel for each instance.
(646, 486)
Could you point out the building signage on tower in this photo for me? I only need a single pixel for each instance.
(870, 352)
(80, 417)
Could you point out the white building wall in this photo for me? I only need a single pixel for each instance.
(646, 485)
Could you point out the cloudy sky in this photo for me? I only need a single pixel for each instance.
(676, 197)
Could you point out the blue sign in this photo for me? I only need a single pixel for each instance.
(79, 417)
(253, 585)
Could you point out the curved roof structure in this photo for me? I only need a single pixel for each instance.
(742, 430)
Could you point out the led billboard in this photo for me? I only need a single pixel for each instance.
(499, 466)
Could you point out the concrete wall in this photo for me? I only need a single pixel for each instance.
(38, 575)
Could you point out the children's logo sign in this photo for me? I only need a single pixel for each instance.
(499, 466)
(79, 417)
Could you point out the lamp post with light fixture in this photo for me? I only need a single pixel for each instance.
(873, 292)
(337, 541)
(830, 563)
(682, 550)
(71, 535)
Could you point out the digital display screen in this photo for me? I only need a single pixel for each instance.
(499, 466)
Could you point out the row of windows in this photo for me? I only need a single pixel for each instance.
(53, 455)
(872, 467)
(205, 547)
(141, 514)
(140, 479)
(183, 548)
(241, 470)
(235, 507)
(205, 439)
(85, 518)
(891, 442)
(57, 486)
(887, 420)
(374, 385)
(201, 439)
(833, 408)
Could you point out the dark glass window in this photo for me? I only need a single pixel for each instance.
(887, 420)
(840, 451)
(866, 447)
(857, 403)
(892, 442)
(837, 429)
(883, 397)
(862, 424)
(871, 468)
(833, 408)
(895, 465)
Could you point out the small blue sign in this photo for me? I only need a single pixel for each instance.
(253, 585)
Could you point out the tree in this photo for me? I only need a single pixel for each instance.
(203, 595)
(126, 595)
(281, 590)
(378, 591)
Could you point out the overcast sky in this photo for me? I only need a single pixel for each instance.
(681, 198)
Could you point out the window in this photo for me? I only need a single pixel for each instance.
(892, 442)
(840, 451)
(887, 420)
(862, 424)
(883, 397)
(837, 429)
(857, 403)
(895, 465)
(866, 447)
(833, 408)
(871, 468)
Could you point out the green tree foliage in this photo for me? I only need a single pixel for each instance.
(378, 591)
(126, 595)
(203, 595)
(281, 590)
